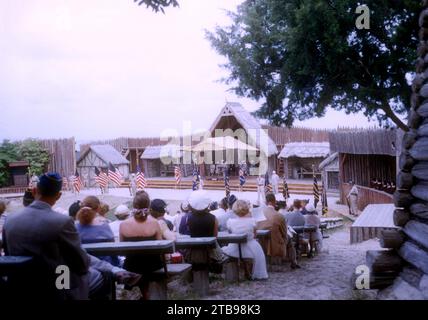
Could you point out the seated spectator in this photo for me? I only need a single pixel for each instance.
(182, 221)
(295, 218)
(141, 227)
(282, 208)
(203, 224)
(222, 219)
(122, 213)
(28, 198)
(74, 209)
(93, 285)
(251, 249)
(280, 244)
(3, 213)
(304, 203)
(157, 211)
(52, 239)
(221, 210)
(312, 219)
(101, 215)
(89, 231)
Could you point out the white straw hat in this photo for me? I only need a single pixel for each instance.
(199, 200)
(121, 210)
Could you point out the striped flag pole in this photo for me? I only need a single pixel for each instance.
(315, 189)
(226, 184)
(195, 183)
(285, 191)
(140, 179)
(268, 186)
(177, 174)
(324, 197)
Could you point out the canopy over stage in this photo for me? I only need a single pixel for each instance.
(301, 159)
(374, 219)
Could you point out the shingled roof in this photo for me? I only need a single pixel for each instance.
(106, 153)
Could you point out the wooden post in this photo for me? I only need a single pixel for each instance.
(200, 261)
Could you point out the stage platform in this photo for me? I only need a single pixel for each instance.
(304, 187)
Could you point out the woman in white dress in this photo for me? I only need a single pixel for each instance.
(252, 249)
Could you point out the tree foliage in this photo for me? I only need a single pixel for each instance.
(8, 153)
(29, 150)
(301, 56)
(35, 154)
(157, 5)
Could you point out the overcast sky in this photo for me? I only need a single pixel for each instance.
(108, 68)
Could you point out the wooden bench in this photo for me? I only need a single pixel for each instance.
(233, 265)
(12, 266)
(159, 247)
(199, 258)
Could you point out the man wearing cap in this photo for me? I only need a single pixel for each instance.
(52, 239)
(157, 211)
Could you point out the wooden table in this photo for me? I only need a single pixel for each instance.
(200, 259)
(12, 264)
(225, 238)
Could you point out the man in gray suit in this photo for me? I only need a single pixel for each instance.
(53, 241)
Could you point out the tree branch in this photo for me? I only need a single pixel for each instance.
(391, 115)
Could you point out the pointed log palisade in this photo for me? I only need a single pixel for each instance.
(405, 258)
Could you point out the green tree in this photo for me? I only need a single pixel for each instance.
(300, 56)
(8, 153)
(158, 5)
(32, 151)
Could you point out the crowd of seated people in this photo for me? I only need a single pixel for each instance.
(148, 219)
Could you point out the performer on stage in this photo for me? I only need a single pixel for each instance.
(275, 182)
(132, 185)
(260, 189)
(241, 178)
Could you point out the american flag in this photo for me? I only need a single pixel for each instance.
(241, 176)
(226, 184)
(285, 191)
(140, 179)
(101, 178)
(316, 192)
(77, 182)
(114, 174)
(177, 174)
(268, 186)
(196, 181)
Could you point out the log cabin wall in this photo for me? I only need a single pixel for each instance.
(411, 197)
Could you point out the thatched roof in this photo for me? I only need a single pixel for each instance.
(158, 152)
(329, 161)
(106, 153)
(248, 123)
(374, 141)
(305, 150)
(222, 143)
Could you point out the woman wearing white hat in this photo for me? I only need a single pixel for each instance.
(121, 213)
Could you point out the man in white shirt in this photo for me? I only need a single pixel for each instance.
(260, 189)
(121, 213)
(275, 182)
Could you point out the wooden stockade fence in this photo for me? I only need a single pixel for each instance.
(366, 196)
(62, 155)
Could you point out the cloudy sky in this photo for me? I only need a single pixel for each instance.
(107, 68)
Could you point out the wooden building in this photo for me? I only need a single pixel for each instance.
(18, 171)
(301, 159)
(365, 156)
(159, 161)
(100, 156)
(329, 168)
